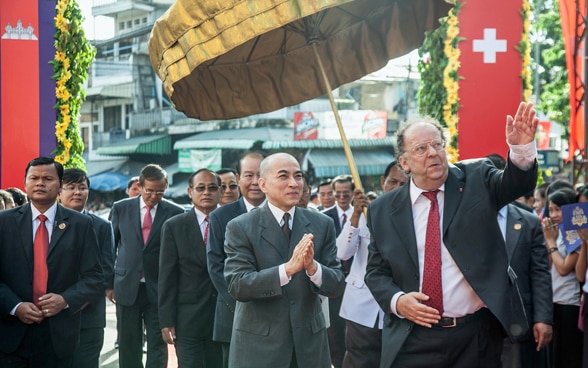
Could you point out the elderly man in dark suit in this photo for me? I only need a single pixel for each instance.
(137, 230)
(74, 195)
(279, 259)
(435, 263)
(186, 294)
(252, 197)
(49, 269)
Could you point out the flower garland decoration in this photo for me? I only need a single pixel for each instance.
(439, 65)
(524, 48)
(73, 56)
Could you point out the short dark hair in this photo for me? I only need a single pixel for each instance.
(325, 182)
(6, 196)
(562, 197)
(402, 131)
(557, 185)
(44, 160)
(18, 196)
(133, 180)
(343, 179)
(152, 172)
(226, 170)
(75, 176)
(216, 177)
(497, 160)
(390, 166)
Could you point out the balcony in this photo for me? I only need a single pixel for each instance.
(154, 120)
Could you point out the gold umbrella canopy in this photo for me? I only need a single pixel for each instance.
(234, 58)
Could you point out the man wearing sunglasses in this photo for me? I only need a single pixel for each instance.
(229, 187)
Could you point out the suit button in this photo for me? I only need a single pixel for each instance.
(292, 302)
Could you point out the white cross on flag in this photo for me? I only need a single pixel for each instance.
(491, 66)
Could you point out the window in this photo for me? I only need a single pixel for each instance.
(121, 25)
(129, 23)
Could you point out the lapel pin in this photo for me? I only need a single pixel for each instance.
(460, 189)
(62, 226)
(517, 226)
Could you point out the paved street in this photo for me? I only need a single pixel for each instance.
(109, 355)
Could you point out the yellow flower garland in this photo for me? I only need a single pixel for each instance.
(450, 82)
(73, 55)
(524, 48)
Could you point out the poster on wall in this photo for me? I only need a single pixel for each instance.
(358, 124)
(190, 160)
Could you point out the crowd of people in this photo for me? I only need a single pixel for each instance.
(453, 265)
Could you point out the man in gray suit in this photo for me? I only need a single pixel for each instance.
(279, 259)
(137, 229)
(435, 265)
(186, 294)
(252, 197)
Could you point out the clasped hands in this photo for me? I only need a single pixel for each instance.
(48, 306)
(302, 258)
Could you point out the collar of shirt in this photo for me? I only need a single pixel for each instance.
(501, 218)
(50, 213)
(200, 216)
(348, 212)
(415, 191)
(249, 206)
(279, 214)
(142, 204)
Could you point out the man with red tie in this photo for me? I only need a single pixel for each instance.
(435, 265)
(187, 297)
(49, 268)
(137, 226)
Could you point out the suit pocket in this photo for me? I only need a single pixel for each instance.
(256, 326)
(318, 323)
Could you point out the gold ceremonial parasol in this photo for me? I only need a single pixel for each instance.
(234, 58)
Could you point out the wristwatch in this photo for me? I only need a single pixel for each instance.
(551, 250)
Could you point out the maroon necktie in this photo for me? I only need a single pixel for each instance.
(343, 220)
(206, 231)
(147, 222)
(432, 284)
(40, 272)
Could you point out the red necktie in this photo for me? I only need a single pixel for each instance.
(40, 272)
(432, 284)
(344, 219)
(147, 222)
(206, 231)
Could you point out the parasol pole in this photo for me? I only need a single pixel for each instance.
(346, 149)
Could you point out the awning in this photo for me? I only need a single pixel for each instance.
(327, 143)
(95, 167)
(154, 145)
(233, 138)
(328, 163)
(109, 181)
(124, 90)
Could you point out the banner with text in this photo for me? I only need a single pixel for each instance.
(358, 124)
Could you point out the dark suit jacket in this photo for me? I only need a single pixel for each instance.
(333, 214)
(186, 294)
(225, 303)
(528, 257)
(474, 192)
(272, 322)
(94, 315)
(74, 269)
(133, 256)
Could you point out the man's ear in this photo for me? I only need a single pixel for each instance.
(403, 163)
(262, 186)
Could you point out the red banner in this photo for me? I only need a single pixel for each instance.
(19, 84)
(491, 87)
(572, 12)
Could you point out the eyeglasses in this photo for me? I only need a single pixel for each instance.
(76, 189)
(342, 195)
(421, 149)
(150, 192)
(230, 187)
(202, 188)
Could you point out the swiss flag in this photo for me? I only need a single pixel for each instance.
(491, 87)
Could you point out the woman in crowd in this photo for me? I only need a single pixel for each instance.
(567, 338)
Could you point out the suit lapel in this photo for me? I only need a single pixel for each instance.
(454, 186)
(24, 222)
(513, 230)
(272, 233)
(135, 208)
(401, 208)
(160, 216)
(300, 226)
(60, 226)
(194, 238)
